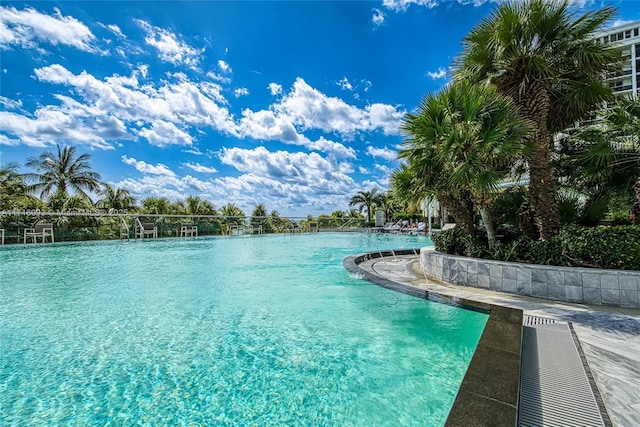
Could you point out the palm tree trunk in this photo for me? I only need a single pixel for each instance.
(488, 223)
(534, 105)
(635, 210)
(461, 207)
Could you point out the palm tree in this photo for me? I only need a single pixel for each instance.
(194, 205)
(61, 173)
(260, 210)
(116, 199)
(12, 187)
(365, 200)
(550, 63)
(425, 174)
(231, 210)
(604, 157)
(475, 135)
(156, 205)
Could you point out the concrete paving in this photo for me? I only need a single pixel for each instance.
(609, 336)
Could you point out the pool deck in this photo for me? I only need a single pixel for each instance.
(609, 336)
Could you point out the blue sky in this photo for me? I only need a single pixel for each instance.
(292, 104)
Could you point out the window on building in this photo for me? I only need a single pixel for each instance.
(635, 32)
(627, 34)
(605, 39)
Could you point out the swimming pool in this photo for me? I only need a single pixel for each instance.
(248, 330)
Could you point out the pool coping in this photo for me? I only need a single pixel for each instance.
(489, 391)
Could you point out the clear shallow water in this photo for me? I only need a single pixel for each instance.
(262, 330)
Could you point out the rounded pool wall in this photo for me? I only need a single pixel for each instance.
(489, 392)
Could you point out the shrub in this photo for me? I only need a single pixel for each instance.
(615, 247)
(602, 247)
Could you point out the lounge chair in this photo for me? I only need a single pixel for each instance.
(39, 230)
(188, 230)
(313, 226)
(387, 227)
(448, 226)
(420, 228)
(236, 229)
(144, 229)
(256, 228)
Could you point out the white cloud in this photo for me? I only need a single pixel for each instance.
(171, 49)
(281, 180)
(275, 88)
(26, 27)
(144, 167)
(267, 125)
(440, 74)
(49, 125)
(301, 170)
(116, 30)
(384, 153)
(104, 113)
(378, 17)
(217, 77)
(183, 103)
(620, 22)
(164, 133)
(308, 108)
(241, 91)
(401, 5)
(344, 84)
(200, 168)
(10, 104)
(384, 170)
(224, 67)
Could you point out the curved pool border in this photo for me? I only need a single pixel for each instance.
(489, 391)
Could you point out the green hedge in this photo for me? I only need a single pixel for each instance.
(615, 247)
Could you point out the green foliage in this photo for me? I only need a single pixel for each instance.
(407, 215)
(620, 217)
(603, 247)
(615, 247)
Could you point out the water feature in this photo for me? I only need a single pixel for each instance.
(247, 330)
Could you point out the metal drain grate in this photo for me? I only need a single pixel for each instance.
(535, 320)
(554, 388)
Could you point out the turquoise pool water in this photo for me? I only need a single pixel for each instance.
(262, 330)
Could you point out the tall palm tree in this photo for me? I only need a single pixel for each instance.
(550, 63)
(476, 136)
(365, 200)
(118, 199)
(62, 173)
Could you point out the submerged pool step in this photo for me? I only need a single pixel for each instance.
(554, 387)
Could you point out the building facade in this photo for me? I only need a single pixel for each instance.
(625, 81)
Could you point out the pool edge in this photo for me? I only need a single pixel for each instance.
(489, 391)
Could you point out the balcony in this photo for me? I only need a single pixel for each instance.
(621, 88)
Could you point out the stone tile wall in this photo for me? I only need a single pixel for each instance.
(618, 288)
